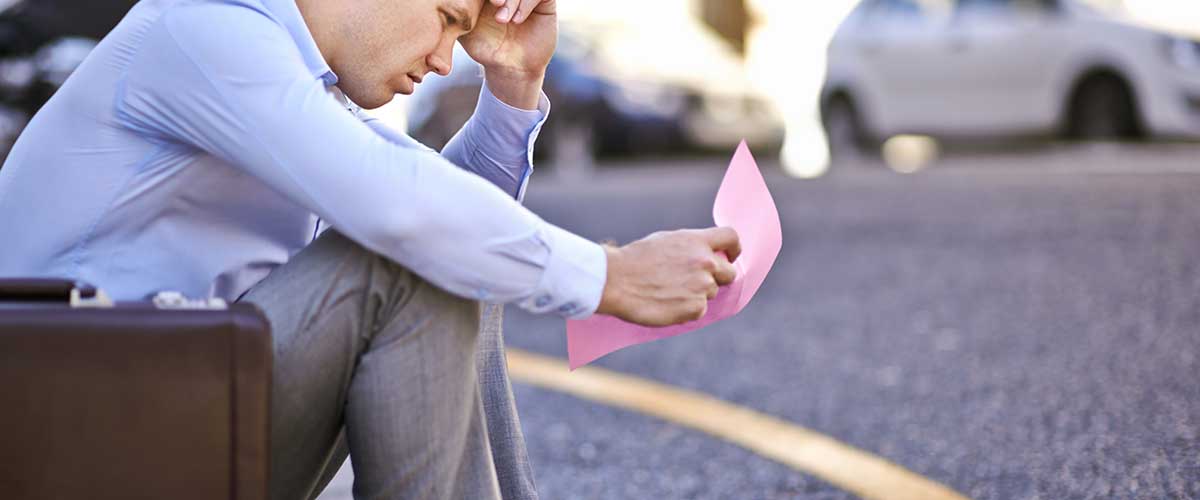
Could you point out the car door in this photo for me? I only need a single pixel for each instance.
(1001, 59)
(905, 60)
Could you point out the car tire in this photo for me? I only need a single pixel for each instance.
(1103, 109)
(849, 142)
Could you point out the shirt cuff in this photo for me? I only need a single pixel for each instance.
(574, 276)
(508, 126)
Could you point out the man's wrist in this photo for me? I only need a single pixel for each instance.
(519, 89)
(608, 297)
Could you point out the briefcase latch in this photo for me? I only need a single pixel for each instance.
(98, 300)
(176, 300)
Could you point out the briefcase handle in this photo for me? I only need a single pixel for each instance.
(77, 293)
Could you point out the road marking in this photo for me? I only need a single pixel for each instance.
(844, 466)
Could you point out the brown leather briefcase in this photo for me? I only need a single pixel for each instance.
(157, 400)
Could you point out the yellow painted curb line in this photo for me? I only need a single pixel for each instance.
(844, 466)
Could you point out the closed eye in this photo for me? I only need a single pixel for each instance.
(459, 19)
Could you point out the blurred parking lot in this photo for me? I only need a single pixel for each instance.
(1012, 325)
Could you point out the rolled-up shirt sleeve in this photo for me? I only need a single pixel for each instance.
(261, 109)
(497, 142)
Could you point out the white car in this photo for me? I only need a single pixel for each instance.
(1005, 68)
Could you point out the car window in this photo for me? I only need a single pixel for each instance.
(935, 9)
(1006, 6)
(906, 10)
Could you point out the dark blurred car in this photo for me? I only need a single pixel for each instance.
(589, 112)
(601, 116)
(29, 24)
(1002, 68)
(41, 43)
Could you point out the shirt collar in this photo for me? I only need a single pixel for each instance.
(288, 13)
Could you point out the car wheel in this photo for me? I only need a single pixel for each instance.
(848, 140)
(1103, 108)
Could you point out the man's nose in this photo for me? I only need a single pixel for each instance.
(441, 61)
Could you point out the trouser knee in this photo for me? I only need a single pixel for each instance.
(395, 298)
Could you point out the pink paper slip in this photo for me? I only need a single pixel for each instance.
(743, 203)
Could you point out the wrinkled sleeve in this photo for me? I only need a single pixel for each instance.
(243, 94)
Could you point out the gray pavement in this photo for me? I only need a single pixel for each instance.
(1015, 326)
(1012, 325)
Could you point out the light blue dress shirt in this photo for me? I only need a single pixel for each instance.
(203, 141)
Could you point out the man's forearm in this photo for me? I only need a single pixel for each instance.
(497, 141)
(517, 89)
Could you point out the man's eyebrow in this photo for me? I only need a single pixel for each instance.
(460, 15)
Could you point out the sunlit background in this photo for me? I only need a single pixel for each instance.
(773, 49)
(637, 79)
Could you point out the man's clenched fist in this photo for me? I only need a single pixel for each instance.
(668, 277)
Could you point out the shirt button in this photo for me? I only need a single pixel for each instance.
(543, 301)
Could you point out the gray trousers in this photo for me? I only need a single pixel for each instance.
(375, 362)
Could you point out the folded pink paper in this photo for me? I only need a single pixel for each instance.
(743, 203)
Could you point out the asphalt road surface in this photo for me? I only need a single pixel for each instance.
(1013, 326)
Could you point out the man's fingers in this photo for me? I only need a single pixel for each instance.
(710, 291)
(519, 9)
(724, 239)
(724, 273)
(509, 12)
(696, 310)
(547, 7)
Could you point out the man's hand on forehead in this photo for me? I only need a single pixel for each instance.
(514, 42)
(518, 10)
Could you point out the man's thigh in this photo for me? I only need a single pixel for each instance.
(329, 306)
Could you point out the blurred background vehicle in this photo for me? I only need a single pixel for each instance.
(600, 111)
(970, 69)
(591, 114)
(40, 47)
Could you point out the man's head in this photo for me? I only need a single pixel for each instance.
(380, 48)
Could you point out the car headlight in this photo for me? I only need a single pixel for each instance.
(1182, 52)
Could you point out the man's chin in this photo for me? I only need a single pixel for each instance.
(374, 102)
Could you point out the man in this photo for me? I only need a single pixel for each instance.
(205, 145)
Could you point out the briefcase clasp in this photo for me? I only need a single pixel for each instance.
(99, 300)
(176, 300)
